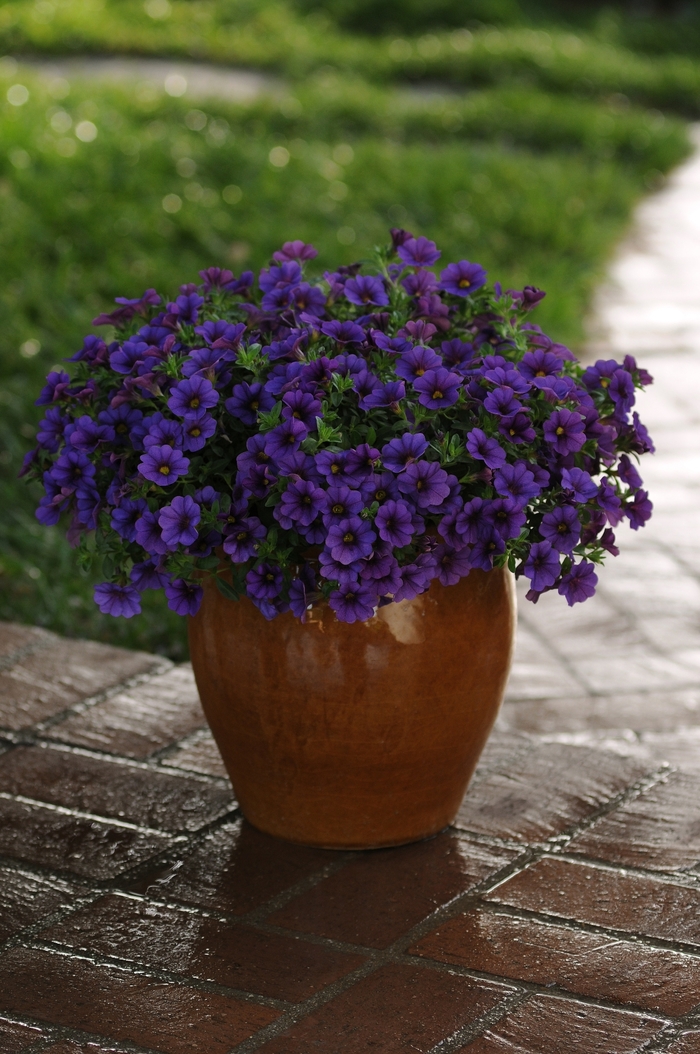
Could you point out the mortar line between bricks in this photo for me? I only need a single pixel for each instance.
(547, 642)
(457, 1040)
(8, 661)
(120, 759)
(80, 814)
(160, 667)
(66, 1033)
(610, 597)
(157, 973)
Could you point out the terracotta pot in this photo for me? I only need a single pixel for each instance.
(362, 735)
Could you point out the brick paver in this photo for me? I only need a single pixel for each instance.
(141, 913)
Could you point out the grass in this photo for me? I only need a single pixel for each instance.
(531, 173)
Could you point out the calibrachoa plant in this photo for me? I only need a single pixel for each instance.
(347, 439)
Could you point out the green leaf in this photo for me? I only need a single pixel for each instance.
(227, 590)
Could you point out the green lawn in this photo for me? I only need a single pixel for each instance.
(532, 173)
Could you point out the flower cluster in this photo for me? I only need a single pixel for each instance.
(347, 439)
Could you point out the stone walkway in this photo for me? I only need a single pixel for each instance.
(139, 912)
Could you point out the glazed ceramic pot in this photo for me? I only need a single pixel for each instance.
(362, 735)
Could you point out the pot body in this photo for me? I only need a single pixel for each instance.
(355, 735)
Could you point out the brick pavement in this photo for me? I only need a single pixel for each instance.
(139, 912)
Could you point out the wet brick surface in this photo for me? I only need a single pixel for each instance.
(140, 912)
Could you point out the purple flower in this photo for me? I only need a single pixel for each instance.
(485, 549)
(463, 278)
(502, 401)
(185, 307)
(56, 387)
(401, 452)
(124, 518)
(419, 252)
(148, 534)
(379, 487)
(517, 428)
(163, 465)
(621, 391)
(416, 363)
(242, 539)
(88, 434)
(309, 299)
(351, 539)
(148, 575)
(565, 431)
(296, 250)
(162, 430)
(609, 502)
(625, 470)
(248, 401)
(539, 363)
(302, 406)
(481, 447)
(123, 418)
(301, 503)
(516, 481)
(287, 274)
(579, 584)
(457, 355)
(346, 574)
(451, 564)
(331, 465)
(438, 388)
(561, 527)
(116, 600)
(394, 523)
(392, 345)
(639, 510)
(388, 395)
(198, 428)
(415, 579)
(506, 517)
(366, 289)
(364, 384)
(178, 522)
(184, 598)
(302, 592)
(361, 463)
(425, 483)
(72, 469)
(421, 283)
(579, 484)
(264, 582)
(285, 438)
(192, 395)
(344, 332)
(341, 502)
(51, 428)
(542, 566)
(353, 603)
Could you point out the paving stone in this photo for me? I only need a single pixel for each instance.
(140, 721)
(587, 964)
(236, 869)
(407, 885)
(15, 1037)
(25, 899)
(200, 756)
(536, 672)
(183, 942)
(40, 835)
(659, 830)
(540, 1025)
(640, 711)
(112, 789)
(47, 682)
(16, 638)
(70, 1047)
(689, 1043)
(549, 788)
(174, 1019)
(620, 901)
(398, 1008)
